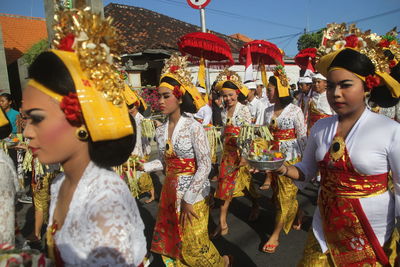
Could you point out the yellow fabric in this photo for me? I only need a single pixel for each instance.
(104, 120)
(284, 196)
(264, 75)
(41, 194)
(313, 255)
(197, 249)
(131, 97)
(192, 90)
(244, 183)
(243, 89)
(323, 66)
(283, 91)
(45, 90)
(3, 119)
(201, 76)
(145, 183)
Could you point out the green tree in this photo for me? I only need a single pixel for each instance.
(35, 50)
(308, 40)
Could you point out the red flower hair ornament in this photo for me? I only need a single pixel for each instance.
(177, 92)
(372, 81)
(67, 42)
(351, 41)
(72, 109)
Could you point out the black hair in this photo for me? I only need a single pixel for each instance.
(7, 96)
(360, 64)
(286, 100)
(49, 70)
(231, 85)
(187, 104)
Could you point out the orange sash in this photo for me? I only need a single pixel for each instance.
(348, 233)
(229, 165)
(167, 236)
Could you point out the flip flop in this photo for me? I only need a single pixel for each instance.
(270, 248)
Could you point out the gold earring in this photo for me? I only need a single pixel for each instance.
(82, 133)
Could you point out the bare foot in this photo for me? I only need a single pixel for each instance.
(299, 220)
(228, 260)
(220, 231)
(149, 200)
(265, 186)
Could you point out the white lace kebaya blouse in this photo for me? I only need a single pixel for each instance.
(103, 226)
(8, 187)
(189, 140)
(290, 118)
(241, 115)
(374, 148)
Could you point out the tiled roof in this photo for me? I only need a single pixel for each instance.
(241, 37)
(20, 33)
(145, 29)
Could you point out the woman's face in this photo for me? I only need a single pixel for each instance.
(305, 87)
(168, 102)
(230, 97)
(272, 93)
(4, 103)
(345, 92)
(51, 138)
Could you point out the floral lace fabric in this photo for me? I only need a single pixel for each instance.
(8, 187)
(103, 226)
(189, 140)
(241, 115)
(291, 118)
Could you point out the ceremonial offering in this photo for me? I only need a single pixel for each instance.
(265, 159)
(214, 140)
(148, 128)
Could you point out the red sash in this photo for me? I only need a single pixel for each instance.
(314, 116)
(348, 233)
(167, 236)
(281, 135)
(229, 165)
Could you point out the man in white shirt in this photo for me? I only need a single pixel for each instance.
(261, 92)
(204, 114)
(255, 105)
(305, 84)
(318, 106)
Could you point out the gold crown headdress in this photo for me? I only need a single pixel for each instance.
(87, 44)
(339, 37)
(176, 67)
(231, 76)
(282, 81)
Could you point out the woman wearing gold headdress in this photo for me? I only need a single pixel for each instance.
(286, 123)
(354, 224)
(75, 116)
(234, 176)
(181, 231)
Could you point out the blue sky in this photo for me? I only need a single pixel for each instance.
(258, 19)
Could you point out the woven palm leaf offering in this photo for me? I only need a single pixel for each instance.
(127, 172)
(214, 140)
(255, 142)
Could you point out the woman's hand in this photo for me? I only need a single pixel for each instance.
(187, 213)
(139, 166)
(243, 162)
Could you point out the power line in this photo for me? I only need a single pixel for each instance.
(229, 14)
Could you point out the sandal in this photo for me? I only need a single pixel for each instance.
(219, 232)
(270, 248)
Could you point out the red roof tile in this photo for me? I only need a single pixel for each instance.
(20, 33)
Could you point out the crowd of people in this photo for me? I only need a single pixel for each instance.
(86, 152)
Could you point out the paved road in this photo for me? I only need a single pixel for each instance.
(244, 239)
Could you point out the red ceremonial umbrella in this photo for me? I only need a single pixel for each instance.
(305, 57)
(206, 45)
(262, 52)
